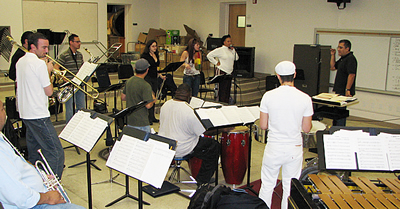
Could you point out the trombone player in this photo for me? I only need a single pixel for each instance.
(34, 87)
(72, 59)
(22, 186)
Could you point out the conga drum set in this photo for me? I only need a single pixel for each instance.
(234, 154)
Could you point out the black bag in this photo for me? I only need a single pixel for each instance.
(11, 108)
(100, 106)
(222, 197)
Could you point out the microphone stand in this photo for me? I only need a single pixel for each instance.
(234, 78)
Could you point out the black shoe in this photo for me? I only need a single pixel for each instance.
(156, 120)
(151, 123)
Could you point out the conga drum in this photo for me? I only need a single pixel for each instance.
(235, 154)
(194, 166)
(310, 139)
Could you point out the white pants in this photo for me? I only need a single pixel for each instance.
(290, 158)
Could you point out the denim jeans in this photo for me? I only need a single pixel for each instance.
(80, 103)
(41, 134)
(58, 206)
(193, 82)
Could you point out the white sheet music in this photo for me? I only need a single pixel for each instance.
(357, 150)
(83, 131)
(147, 161)
(228, 115)
(339, 152)
(196, 102)
(86, 70)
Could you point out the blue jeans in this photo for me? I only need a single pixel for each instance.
(143, 128)
(80, 103)
(41, 134)
(58, 206)
(193, 82)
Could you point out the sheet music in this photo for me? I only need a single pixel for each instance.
(211, 104)
(249, 114)
(86, 70)
(392, 142)
(357, 150)
(371, 154)
(339, 152)
(196, 102)
(83, 131)
(228, 115)
(147, 161)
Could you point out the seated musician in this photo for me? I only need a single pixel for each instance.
(179, 122)
(21, 185)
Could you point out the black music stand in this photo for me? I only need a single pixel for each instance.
(85, 144)
(171, 67)
(138, 135)
(119, 119)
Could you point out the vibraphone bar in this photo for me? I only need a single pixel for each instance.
(331, 192)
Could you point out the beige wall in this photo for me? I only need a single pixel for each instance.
(276, 27)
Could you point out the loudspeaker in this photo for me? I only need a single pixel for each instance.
(271, 82)
(244, 66)
(213, 43)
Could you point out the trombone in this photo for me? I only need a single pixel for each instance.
(57, 72)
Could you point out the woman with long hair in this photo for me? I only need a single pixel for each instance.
(150, 53)
(192, 62)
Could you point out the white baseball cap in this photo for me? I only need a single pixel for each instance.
(285, 68)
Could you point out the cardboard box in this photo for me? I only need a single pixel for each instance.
(154, 33)
(142, 38)
(161, 40)
(139, 48)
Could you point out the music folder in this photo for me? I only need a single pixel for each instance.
(171, 67)
(85, 128)
(143, 156)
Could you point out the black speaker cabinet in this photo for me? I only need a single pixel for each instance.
(312, 68)
(244, 67)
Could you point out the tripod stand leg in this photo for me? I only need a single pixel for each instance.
(76, 148)
(141, 202)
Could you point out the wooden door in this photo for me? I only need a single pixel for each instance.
(238, 34)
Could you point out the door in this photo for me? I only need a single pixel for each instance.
(237, 24)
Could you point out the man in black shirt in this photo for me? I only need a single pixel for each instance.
(12, 72)
(346, 68)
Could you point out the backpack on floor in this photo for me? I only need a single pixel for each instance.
(222, 197)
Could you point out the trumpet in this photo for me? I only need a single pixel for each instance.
(58, 72)
(51, 183)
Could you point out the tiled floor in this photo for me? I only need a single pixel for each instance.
(75, 179)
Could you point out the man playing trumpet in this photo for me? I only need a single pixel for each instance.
(72, 59)
(34, 87)
(22, 186)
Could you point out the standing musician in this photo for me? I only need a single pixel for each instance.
(12, 72)
(72, 59)
(137, 90)
(34, 87)
(192, 62)
(21, 185)
(285, 111)
(226, 55)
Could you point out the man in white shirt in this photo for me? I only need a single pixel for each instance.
(34, 88)
(285, 111)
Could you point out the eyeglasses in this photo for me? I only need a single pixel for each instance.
(77, 41)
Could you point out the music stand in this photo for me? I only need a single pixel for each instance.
(119, 119)
(148, 151)
(94, 125)
(171, 67)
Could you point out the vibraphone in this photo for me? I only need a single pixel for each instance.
(332, 193)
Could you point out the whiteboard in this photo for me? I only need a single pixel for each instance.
(393, 74)
(76, 17)
(372, 53)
